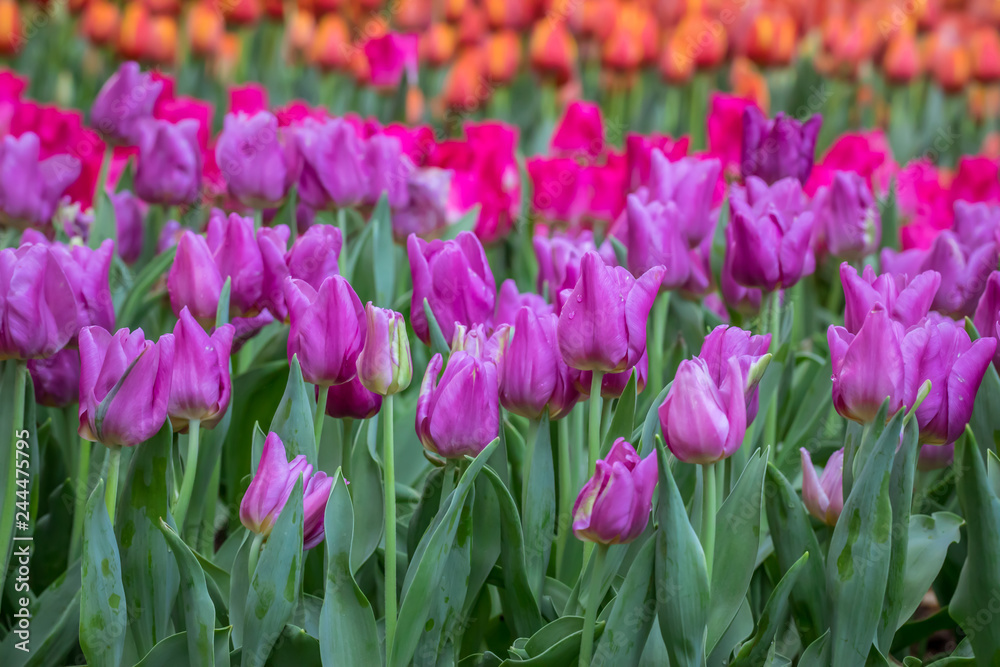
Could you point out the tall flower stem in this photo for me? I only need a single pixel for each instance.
(661, 308)
(565, 518)
(388, 461)
(709, 507)
(594, 430)
(111, 491)
(318, 416)
(774, 328)
(593, 602)
(80, 489)
(190, 471)
(258, 540)
(529, 453)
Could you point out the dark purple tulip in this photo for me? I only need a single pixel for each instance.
(314, 255)
(426, 209)
(613, 506)
(867, 367)
(847, 222)
(169, 167)
(129, 225)
(388, 170)
(30, 188)
(906, 301)
(941, 351)
(257, 165)
(459, 414)
(352, 401)
(194, 281)
(656, 238)
(455, 278)
(38, 306)
(333, 169)
(510, 301)
(57, 378)
(327, 329)
(201, 385)
(963, 274)
(780, 148)
(125, 101)
(139, 408)
(988, 311)
(689, 183)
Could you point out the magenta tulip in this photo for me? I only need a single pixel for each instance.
(125, 101)
(57, 378)
(613, 506)
(201, 385)
(129, 225)
(906, 301)
(530, 368)
(459, 414)
(868, 367)
(352, 400)
(38, 306)
(314, 255)
(510, 301)
(169, 168)
(327, 329)
(847, 220)
(823, 495)
(725, 343)
(258, 165)
(656, 238)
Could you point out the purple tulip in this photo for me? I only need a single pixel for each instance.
(170, 236)
(935, 457)
(327, 329)
(169, 167)
(455, 278)
(725, 343)
(510, 301)
(847, 221)
(987, 319)
(257, 165)
(38, 306)
(559, 259)
(388, 169)
(908, 262)
(193, 281)
(745, 300)
(57, 378)
(125, 102)
(30, 188)
(688, 183)
(88, 272)
(233, 243)
(941, 351)
(333, 169)
(314, 255)
(459, 414)
(272, 486)
(129, 225)
(613, 506)
(273, 245)
(530, 368)
(477, 341)
(823, 495)
(906, 301)
(352, 400)
(426, 209)
(201, 385)
(780, 148)
(613, 384)
(656, 238)
(976, 224)
(602, 326)
(141, 370)
(868, 367)
(384, 364)
(963, 274)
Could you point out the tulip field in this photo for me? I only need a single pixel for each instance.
(488, 333)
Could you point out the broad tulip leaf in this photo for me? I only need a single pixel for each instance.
(199, 611)
(366, 493)
(740, 629)
(817, 653)
(293, 419)
(295, 648)
(632, 613)
(985, 420)
(539, 506)
(239, 585)
(486, 540)
(425, 510)
(8, 457)
(383, 253)
(142, 287)
(649, 424)
(929, 539)
(103, 613)
(173, 650)
(438, 343)
(772, 619)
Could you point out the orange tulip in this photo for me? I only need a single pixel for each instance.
(171, 7)
(503, 56)
(633, 40)
(466, 89)
(454, 9)
(901, 61)
(134, 31)
(677, 62)
(771, 41)
(205, 27)
(412, 15)
(984, 45)
(747, 82)
(437, 45)
(301, 33)
(10, 27)
(331, 45)
(472, 28)
(948, 57)
(552, 50)
(513, 14)
(414, 105)
(161, 46)
(702, 39)
(100, 22)
(242, 12)
(597, 17)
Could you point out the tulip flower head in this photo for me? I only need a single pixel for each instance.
(779, 148)
(201, 384)
(129, 225)
(823, 495)
(906, 300)
(384, 363)
(194, 281)
(530, 367)
(459, 414)
(57, 378)
(847, 221)
(257, 165)
(352, 400)
(30, 188)
(170, 163)
(327, 329)
(613, 506)
(125, 102)
(868, 367)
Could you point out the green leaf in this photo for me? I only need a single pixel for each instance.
(486, 539)
(8, 457)
(293, 420)
(347, 632)
(621, 251)
(467, 223)
(539, 507)
(426, 509)
(682, 588)
(173, 650)
(366, 493)
(239, 585)
(555, 645)
(624, 418)
(383, 253)
(103, 614)
(979, 582)
(222, 311)
(985, 420)
(357, 247)
(650, 423)
(149, 571)
(295, 648)
(739, 630)
(817, 653)
(632, 613)
(438, 344)
(427, 572)
(142, 287)
(772, 619)
(736, 543)
(275, 584)
(929, 539)
(199, 611)
(104, 226)
(55, 625)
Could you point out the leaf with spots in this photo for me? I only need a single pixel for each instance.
(103, 613)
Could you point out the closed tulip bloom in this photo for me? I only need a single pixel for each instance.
(352, 400)
(602, 326)
(236, 253)
(690, 184)
(426, 210)
(779, 148)
(257, 166)
(530, 365)
(30, 188)
(38, 306)
(57, 378)
(459, 414)
(580, 132)
(963, 273)
(384, 364)
(455, 278)
(327, 329)
(194, 281)
(941, 351)
(906, 301)
(613, 506)
(314, 255)
(272, 486)
(388, 170)
(704, 421)
(988, 311)
(333, 170)
(129, 225)
(725, 343)
(847, 221)
(390, 56)
(976, 223)
(169, 168)
(88, 272)
(125, 102)
(510, 301)
(201, 384)
(656, 238)
(141, 370)
(273, 245)
(868, 367)
(823, 495)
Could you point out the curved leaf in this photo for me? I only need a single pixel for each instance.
(103, 613)
(293, 419)
(632, 613)
(199, 611)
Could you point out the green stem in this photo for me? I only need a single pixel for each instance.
(190, 472)
(529, 452)
(319, 416)
(833, 297)
(258, 218)
(661, 307)
(708, 510)
(771, 421)
(388, 460)
(447, 480)
(565, 498)
(594, 431)
(111, 492)
(593, 602)
(80, 493)
(7, 507)
(258, 540)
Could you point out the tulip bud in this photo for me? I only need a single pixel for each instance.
(124, 385)
(124, 103)
(272, 486)
(38, 306)
(331, 43)
(868, 367)
(257, 167)
(725, 343)
(236, 253)
(824, 495)
(272, 243)
(194, 281)
(314, 255)
(847, 223)
(205, 27)
(129, 225)
(327, 329)
(30, 188)
(460, 414)
(426, 209)
(902, 62)
(11, 34)
(388, 171)
(201, 384)
(352, 400)
(90, 270)
(384, 364)
(530, 365)
(780, 148)
(906, 301)
(613, 506)
(655, 238)
(169, 167)
(390, 56)
(57, 378)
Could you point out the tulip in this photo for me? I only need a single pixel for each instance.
(38, 306)
(553, 51)
(559, 260)
(57, 378)
(384, 364)
(868, 367)
(656, 238)
(30, 188)
(690, 184)
(235, 251)
(352, 400)
(726, 342)
(333, 170)
(531, 364)
(169, 166)
(201, 384)
(390, 56)
(125, 378)
(426, 208)
(725, 128)
(455, 279)
(963, 274)
(90, 270)
(459, 414)
(510, 301)
(902, 61)
(124, 103)
(314, 255)
(272, 486)
(327, 329)
(639, 149)
(847, 221)
(580, 132)
(481, 344)
(988, 311)
(906, 301)
(11, 33)
(194, 281)
(129, 225)
(388, 171)
(976, 224)
(272, 242)
(935, 457)
(613, 506)
(941, 351)
(257, 166)
(778, 148)
(823, 495)
(170, 236)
